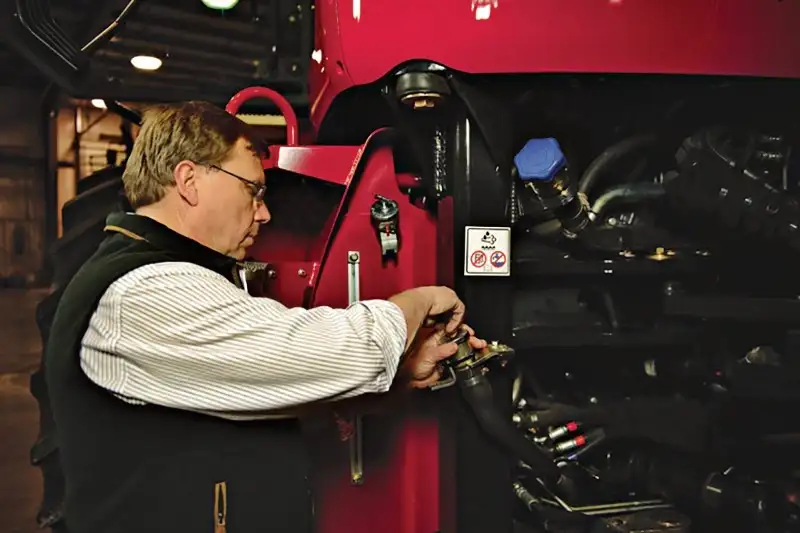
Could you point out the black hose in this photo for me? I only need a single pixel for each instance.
(634, 192)
(611, 155)
(477, 391)
(104, 36)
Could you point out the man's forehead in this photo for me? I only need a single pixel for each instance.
(245, 156)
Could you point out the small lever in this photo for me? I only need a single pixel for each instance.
(460, 337)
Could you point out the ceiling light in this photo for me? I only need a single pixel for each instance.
(222, 5)
(99, 103)
(146, 62)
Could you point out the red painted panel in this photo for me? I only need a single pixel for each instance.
(716, 37)
(400, 493)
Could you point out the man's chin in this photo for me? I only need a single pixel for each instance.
(238, 254)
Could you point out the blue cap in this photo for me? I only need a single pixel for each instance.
(540, 160)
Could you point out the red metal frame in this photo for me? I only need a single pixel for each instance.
(401, 489)
(251, 93)
(705, 37)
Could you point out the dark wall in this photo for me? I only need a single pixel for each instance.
(22, 185)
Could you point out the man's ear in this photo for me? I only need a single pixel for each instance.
(185, 175)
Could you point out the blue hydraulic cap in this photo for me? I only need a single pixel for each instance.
(540, 160)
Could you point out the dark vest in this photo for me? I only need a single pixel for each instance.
(152, 469)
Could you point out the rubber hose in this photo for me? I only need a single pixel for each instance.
(635, 192)
(611, 155)
(477, 391)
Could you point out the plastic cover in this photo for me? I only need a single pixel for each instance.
(540, 160)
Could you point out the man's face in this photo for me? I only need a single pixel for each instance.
(230, 213)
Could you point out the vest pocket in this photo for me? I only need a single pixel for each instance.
(220, 507)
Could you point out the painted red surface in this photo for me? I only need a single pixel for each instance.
(358, 41)
(309, 257)
(401, 489)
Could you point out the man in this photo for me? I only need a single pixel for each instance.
(170, 384)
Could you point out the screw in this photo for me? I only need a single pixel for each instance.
(272, 274)
(301, 273)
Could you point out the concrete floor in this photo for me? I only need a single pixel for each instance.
(20, 483)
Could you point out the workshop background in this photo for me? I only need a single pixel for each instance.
(50, 143)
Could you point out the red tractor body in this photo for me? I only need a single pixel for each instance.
(317, 228)
(308, 256)
(690, 37)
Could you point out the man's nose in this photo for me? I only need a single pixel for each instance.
(262, 213)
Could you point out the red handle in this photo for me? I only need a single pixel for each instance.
(238, 100)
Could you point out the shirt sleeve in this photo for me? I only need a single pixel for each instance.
(182, 336)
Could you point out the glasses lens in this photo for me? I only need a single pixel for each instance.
(259, 193)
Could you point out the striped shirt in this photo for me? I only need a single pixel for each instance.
(182, 336)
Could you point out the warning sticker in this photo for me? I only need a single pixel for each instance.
(478, 259)
(487, 251)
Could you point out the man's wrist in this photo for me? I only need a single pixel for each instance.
(415, 305)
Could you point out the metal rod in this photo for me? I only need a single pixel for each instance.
(356, 447)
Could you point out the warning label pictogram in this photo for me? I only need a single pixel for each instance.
(487, 251)
(498, 259)
(478, 259)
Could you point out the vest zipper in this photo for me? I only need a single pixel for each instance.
(235, 273)
(220, 507)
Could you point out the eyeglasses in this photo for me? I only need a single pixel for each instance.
(256, 189)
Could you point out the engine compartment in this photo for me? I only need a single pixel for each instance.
(656, 341)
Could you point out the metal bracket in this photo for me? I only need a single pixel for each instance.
(449, 381)
(355, 444)
(384, 213)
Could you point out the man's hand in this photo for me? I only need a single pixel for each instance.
(445, 304)
(422, 367)
(429, 305)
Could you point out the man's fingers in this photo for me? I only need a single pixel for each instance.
(456, 317)
(443, 351)
(455, 322)
(428, 382)
(436, 338)
(476, 343)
